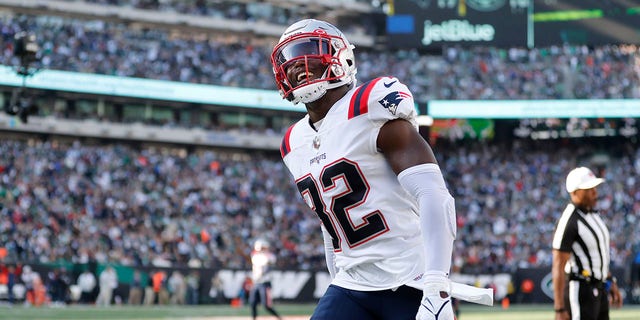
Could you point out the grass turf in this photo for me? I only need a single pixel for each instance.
(290, 311)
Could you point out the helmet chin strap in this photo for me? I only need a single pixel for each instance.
(310, 93)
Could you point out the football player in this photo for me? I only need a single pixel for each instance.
(261, 261)
(359, 162)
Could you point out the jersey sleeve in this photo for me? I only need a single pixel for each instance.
(285, 145)
(566, 231)
(384, 99)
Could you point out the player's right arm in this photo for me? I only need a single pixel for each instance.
(329, 254)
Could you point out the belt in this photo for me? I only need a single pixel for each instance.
(587, 279)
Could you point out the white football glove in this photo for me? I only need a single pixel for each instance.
(436, 300)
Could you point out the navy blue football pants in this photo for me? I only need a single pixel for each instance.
(344, 304)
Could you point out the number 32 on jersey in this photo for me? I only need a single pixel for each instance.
(336, 215)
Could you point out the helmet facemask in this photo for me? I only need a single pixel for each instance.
(306, 51)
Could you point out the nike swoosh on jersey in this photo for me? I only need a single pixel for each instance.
(388, 85)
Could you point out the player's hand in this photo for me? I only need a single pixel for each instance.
(436, 301)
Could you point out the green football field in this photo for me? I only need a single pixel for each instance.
(291, 312)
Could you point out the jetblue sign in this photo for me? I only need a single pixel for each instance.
(457, 31)
(434, 24)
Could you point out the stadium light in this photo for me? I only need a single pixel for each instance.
(26, 49)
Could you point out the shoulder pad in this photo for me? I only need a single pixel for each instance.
(383, 99)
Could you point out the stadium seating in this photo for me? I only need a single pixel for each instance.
(169, 206)
(118, 48)
(150, 206)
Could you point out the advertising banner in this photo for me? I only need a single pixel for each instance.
(590, 22)
(437, 23)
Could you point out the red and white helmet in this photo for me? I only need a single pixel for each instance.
(313, 39)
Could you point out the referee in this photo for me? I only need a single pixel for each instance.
(582, 283)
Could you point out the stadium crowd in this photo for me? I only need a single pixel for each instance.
(116, 48)
(158, 208)
(250, 12)
(162, 207)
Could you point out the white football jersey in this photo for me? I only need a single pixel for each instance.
(342, 176)
(261, 262)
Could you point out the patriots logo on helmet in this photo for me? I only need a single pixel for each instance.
(392, 100)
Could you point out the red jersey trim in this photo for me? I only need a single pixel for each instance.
(359, 104)
(285, 146)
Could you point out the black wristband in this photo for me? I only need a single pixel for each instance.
(560, 310)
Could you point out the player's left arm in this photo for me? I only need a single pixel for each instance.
(412, 159)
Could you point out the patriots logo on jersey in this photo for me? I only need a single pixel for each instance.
(392, 100)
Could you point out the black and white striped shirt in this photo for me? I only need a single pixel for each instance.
(587, 238)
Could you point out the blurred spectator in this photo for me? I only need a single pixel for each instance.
(164, 296)
(635, 292)
(136, 288)
(193, 288)
(28, 277)
(8, 278)
(177, 288)
(58, 283)
(216, 292)
(160, 287)
(243, 295)
(149, 290)
(108, 283)
(39, 292)
(526, 289)
(87, 283)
